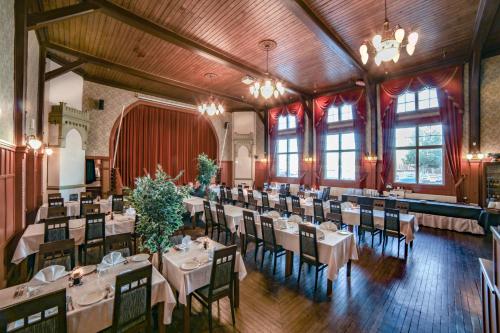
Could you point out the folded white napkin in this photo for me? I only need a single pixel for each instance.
(295, 219)
(273, 214)
(130, 211)
(50, 274)
(320, 235)
(112, 259)
(328, 226)
(186, 240)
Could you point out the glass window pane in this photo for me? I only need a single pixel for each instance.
(346, 112)
(333, 114)
(332, 142)
(406, 166)
(281, 123)
(293, 165)
(282, 148)
(348, 141)
(348, 167)
(282, 167)
(427, 98)
(430, 166)
(405, 137)
(292, 148)
(291, 122)
(430, 135)
(332, 166)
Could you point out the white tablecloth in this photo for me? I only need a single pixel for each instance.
(72, 209)
(96, 317)
(449, 223)
(193, 205)
(234, 215)
(34, 234)
(185, 282)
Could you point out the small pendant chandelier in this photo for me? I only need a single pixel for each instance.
(386, 47)
(212, 106)
(269, 87)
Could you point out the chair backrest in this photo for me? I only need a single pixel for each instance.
(268, 235)
(378, 204)
(86, 195)
(207, 209)
(266, 186)
(222, 193)
(366, 216)
(252, 202)
(319, 214)
(117, 203)
(403, 207)
(282, 189)
(326, 194)
(56, 202)
(91, 209)
(352, 199)
(335, 206)
(53, 212)
(229, 193)
(85, 201)
(49, 309)
(54, 195)
(132, 307)
(301, 194)
(391, 220)
(94, 227)
(119, 243)
(73, 197)
(265, 199)
(222, 275)
(283, 204)
(249, 220)
(308, 242)
(295, 201)
(250, 195)
(241, 196)
(56, 229)
(287, 188)
(221, 215)
(240, 186)
(60, 252)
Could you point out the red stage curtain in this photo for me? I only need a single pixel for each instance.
(450, 93)
(297, 110)
(321, 104)
(173, 139)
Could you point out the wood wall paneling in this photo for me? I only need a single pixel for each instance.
(226, 175)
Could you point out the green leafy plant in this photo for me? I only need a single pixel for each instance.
(207, 169)
(159, 203)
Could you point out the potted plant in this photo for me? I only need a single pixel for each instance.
(207, 170)
(159, 203)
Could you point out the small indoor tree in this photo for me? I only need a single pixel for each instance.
(159, 203)
(207, 169)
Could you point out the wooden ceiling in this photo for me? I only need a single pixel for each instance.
(166, 47)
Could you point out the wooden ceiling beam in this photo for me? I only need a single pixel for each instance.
(43, 19)
(64, 69)
(205, 51)
(63, 62)
(141, 74)
(485, 17)
(324, 33)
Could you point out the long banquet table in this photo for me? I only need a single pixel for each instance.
(72, 209)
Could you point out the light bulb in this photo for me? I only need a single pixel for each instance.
(211, 110)
(280, 88)
(378, 61)
(221, 109)
(469, 156)
(399, 35)
(276, 93)
(412, 39)
(266, 90)
(396, 57)
(257, 85)
(48, 151)
(480, 156)
(34, 143)
(363, 49)
(252, 89)
(200, 109)
(377, 39)
(410, 48)
(364, 58)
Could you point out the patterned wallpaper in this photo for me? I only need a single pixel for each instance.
(7, 71)
(490, 105)
(32, 83)
(102, 121)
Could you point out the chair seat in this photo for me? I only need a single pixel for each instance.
(276, 249)
(391, 233)
(217, 293)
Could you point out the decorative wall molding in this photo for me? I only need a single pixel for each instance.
(246, 140)
(69, 118)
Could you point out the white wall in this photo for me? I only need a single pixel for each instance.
(66, 88)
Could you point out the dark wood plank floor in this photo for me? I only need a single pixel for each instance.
(436, 290)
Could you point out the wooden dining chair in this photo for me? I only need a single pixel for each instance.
(94, 236)
(366, 223)
(55, 212)
(117, 203)
(296, 208)
(325, 195)
(282, 207)
(56, 202)
(251, 235)
(56, 229)
(119, 243)
(48, 309)
(313, 195)
(73, 197)
(265, 202)
(252, 202)
(282, 189)
(318, 211)
(308, 240)
(209, 219)
(85, 201)
(221, 283)
(222, 195)
(265, 187)
(378, 204)
(301, 194)
(91, 209)
(241, 198)
(229, 196)
(61, 252)
(335, 214)
(392, 227)
(86, 195)
(54, 195)
(269, 241)
(221, 220)
(403, 207)
(287, 189)
(132, 301)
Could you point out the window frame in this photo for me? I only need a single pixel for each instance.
(417, 109)
(287, 153)
(346, 130)
(340, 121)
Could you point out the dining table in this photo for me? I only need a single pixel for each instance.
(73, 208)
(98, 316)
(185, 281)
(33, 235)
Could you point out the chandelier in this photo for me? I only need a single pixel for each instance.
(387, 45)
(269, 87)
(212, 106)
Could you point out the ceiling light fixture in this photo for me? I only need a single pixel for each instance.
(211, 107)
(386, 47)
(268, 87)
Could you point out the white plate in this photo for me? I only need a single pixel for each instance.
(91, 297)
(140, 257)
(343, 232)
(190, 265)
(85, 270)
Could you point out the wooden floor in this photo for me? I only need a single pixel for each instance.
(436, 290)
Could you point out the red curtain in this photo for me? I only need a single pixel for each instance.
(294, 109)
(173, 139)
(449, 82)
(321, 104)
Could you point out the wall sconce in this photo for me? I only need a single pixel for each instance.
(33, 142)
(371, 158)
(308, 159)
(477, 157)
(49, 151)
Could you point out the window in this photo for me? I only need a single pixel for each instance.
(419, 155)
(288, 158)
(421, 100)
(286, 122)
(342, 113)
(340, 153)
